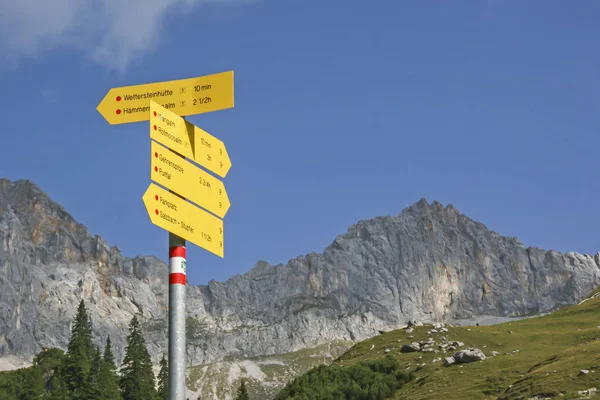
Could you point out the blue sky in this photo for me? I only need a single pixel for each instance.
(344, 110)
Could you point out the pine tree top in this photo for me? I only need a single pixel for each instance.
(242, 392)
(137, 377)
(108, 356)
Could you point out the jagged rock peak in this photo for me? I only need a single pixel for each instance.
(435, 209)
(25, 193)
(28, 213)
(420, 217)
(35, 209)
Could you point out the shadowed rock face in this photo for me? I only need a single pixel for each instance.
(429, 263)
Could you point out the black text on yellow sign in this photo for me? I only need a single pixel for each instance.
(191, 96)
(171, 130)
(187, 180)
(182, 218)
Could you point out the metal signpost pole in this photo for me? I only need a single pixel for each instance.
(177, 281)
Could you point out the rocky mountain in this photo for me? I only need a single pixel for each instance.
(429, 263)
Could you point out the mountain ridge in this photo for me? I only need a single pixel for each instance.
(429, 263)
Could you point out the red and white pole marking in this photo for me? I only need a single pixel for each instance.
(177, 266)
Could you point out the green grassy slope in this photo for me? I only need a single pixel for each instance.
(551, 352)
(265, 376)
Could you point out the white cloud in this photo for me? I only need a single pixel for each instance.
(110, 32)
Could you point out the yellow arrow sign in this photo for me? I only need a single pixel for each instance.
(176, 133)
(187, 180)
(184, 219)
(184, 96)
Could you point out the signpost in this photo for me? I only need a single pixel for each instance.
(179, 135)
(164, 104)
(184, 96)
(180, 217)
(187, 180)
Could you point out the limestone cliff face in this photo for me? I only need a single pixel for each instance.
(429, 263)
(48, 262)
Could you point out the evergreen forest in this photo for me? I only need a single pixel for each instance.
(86, 372)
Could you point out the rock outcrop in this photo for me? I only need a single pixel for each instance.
(468, 356)
(429, 263)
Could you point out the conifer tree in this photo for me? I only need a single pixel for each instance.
(108, 379)
(58, 387)
(52, 364)
(108, 356)
(163, 379)
(80, 351)
(242, 392)
(32, 384)
(92, 390)
(137, 378)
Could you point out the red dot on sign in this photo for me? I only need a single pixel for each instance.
(154, 127)
(156, 169)
(118, 112)
(156, 211)
(156, 197)
(118, 98)
(155, 113)
(156, 155)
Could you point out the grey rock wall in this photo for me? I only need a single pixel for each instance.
(428, 263)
